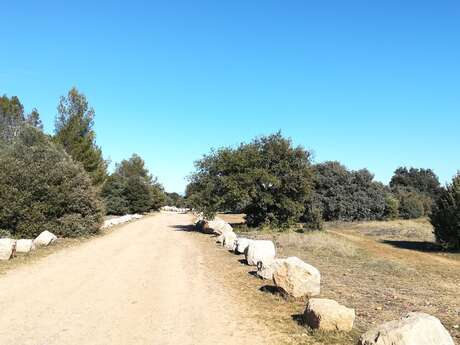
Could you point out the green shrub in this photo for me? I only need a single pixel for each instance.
(4, 233)
(347, 195)
(413, 204)
(131, 189)
(43, 189)
(445, 216)
(391, 207)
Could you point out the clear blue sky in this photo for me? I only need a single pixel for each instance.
(372, 84)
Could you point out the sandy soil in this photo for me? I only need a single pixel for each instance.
(147, 282)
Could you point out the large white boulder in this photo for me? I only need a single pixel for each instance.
(45, 239)
(24, 246)
(7, 248)
(328, 315)
(219, 226)
(262, 251)
(229, 240)
(241, 244)
(411, 329)
(297, 278)
(266, 271)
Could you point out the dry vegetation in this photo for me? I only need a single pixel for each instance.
(382, 269)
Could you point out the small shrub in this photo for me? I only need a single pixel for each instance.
(4, 233)
(446, 216)
(411, 205)
(391, 207)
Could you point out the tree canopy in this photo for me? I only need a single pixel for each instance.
(74, 131)
(268, 179)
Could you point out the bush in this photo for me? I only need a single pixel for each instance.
(391, 207)
(348, 195)
(413, 204)
(446, 216)
(43, 189)
(131, 189)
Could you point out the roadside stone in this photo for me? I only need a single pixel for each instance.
(24, 246)
(297, 278)
(7, 248)
(45, 239)
(260, 251)
(242, 244)
(328, 315)
(266, 272)
(229, 240)
(411, 329)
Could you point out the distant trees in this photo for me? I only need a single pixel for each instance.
(416, 190)
(13, 120)
(268, 179)
(74, 131)
(175, 199)
(341, 194)
(445, 216)
(132, 189)
(41, 188)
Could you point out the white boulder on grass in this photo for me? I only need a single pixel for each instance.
(262, 251)
(241, 244)
(45, 239)
(24, 246)
(7, 248)
(297, 278)
(229, 240)
(327, 314)
(219, 226)
(266, 272)
(411, 329)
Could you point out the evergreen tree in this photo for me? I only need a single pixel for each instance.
(74, 131)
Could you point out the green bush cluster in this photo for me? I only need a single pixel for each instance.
(43, 189)
(445, 216)
(54, 183)
(131, 189)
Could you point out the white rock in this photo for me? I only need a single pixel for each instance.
(45, 239)
(266, 272)
(241, 244)
(24, 246)
(297, 278)
(328, 315)
(7, 248)
(411, 329)
(229, 240)
(260, 251)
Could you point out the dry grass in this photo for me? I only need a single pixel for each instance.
(382, 269)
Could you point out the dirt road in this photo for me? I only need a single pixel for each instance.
(145, 283)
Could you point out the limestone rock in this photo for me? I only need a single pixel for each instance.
(327, 314)
(260, 251)
(7, 248)
(266, 272)
(297, 278)
(45, 239)
(411, 329)
(24, 246)
(229, 240)
(242, 244)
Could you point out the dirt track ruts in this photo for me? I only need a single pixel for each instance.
(147, 282)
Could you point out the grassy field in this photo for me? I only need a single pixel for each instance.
(382, 269)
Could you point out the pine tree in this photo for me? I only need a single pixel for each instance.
(74, 131)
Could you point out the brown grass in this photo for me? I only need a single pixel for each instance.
(372, 267)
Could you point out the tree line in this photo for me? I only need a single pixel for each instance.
(60, 182)
(276, 184)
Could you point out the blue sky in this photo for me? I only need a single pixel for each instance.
(372, 84)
